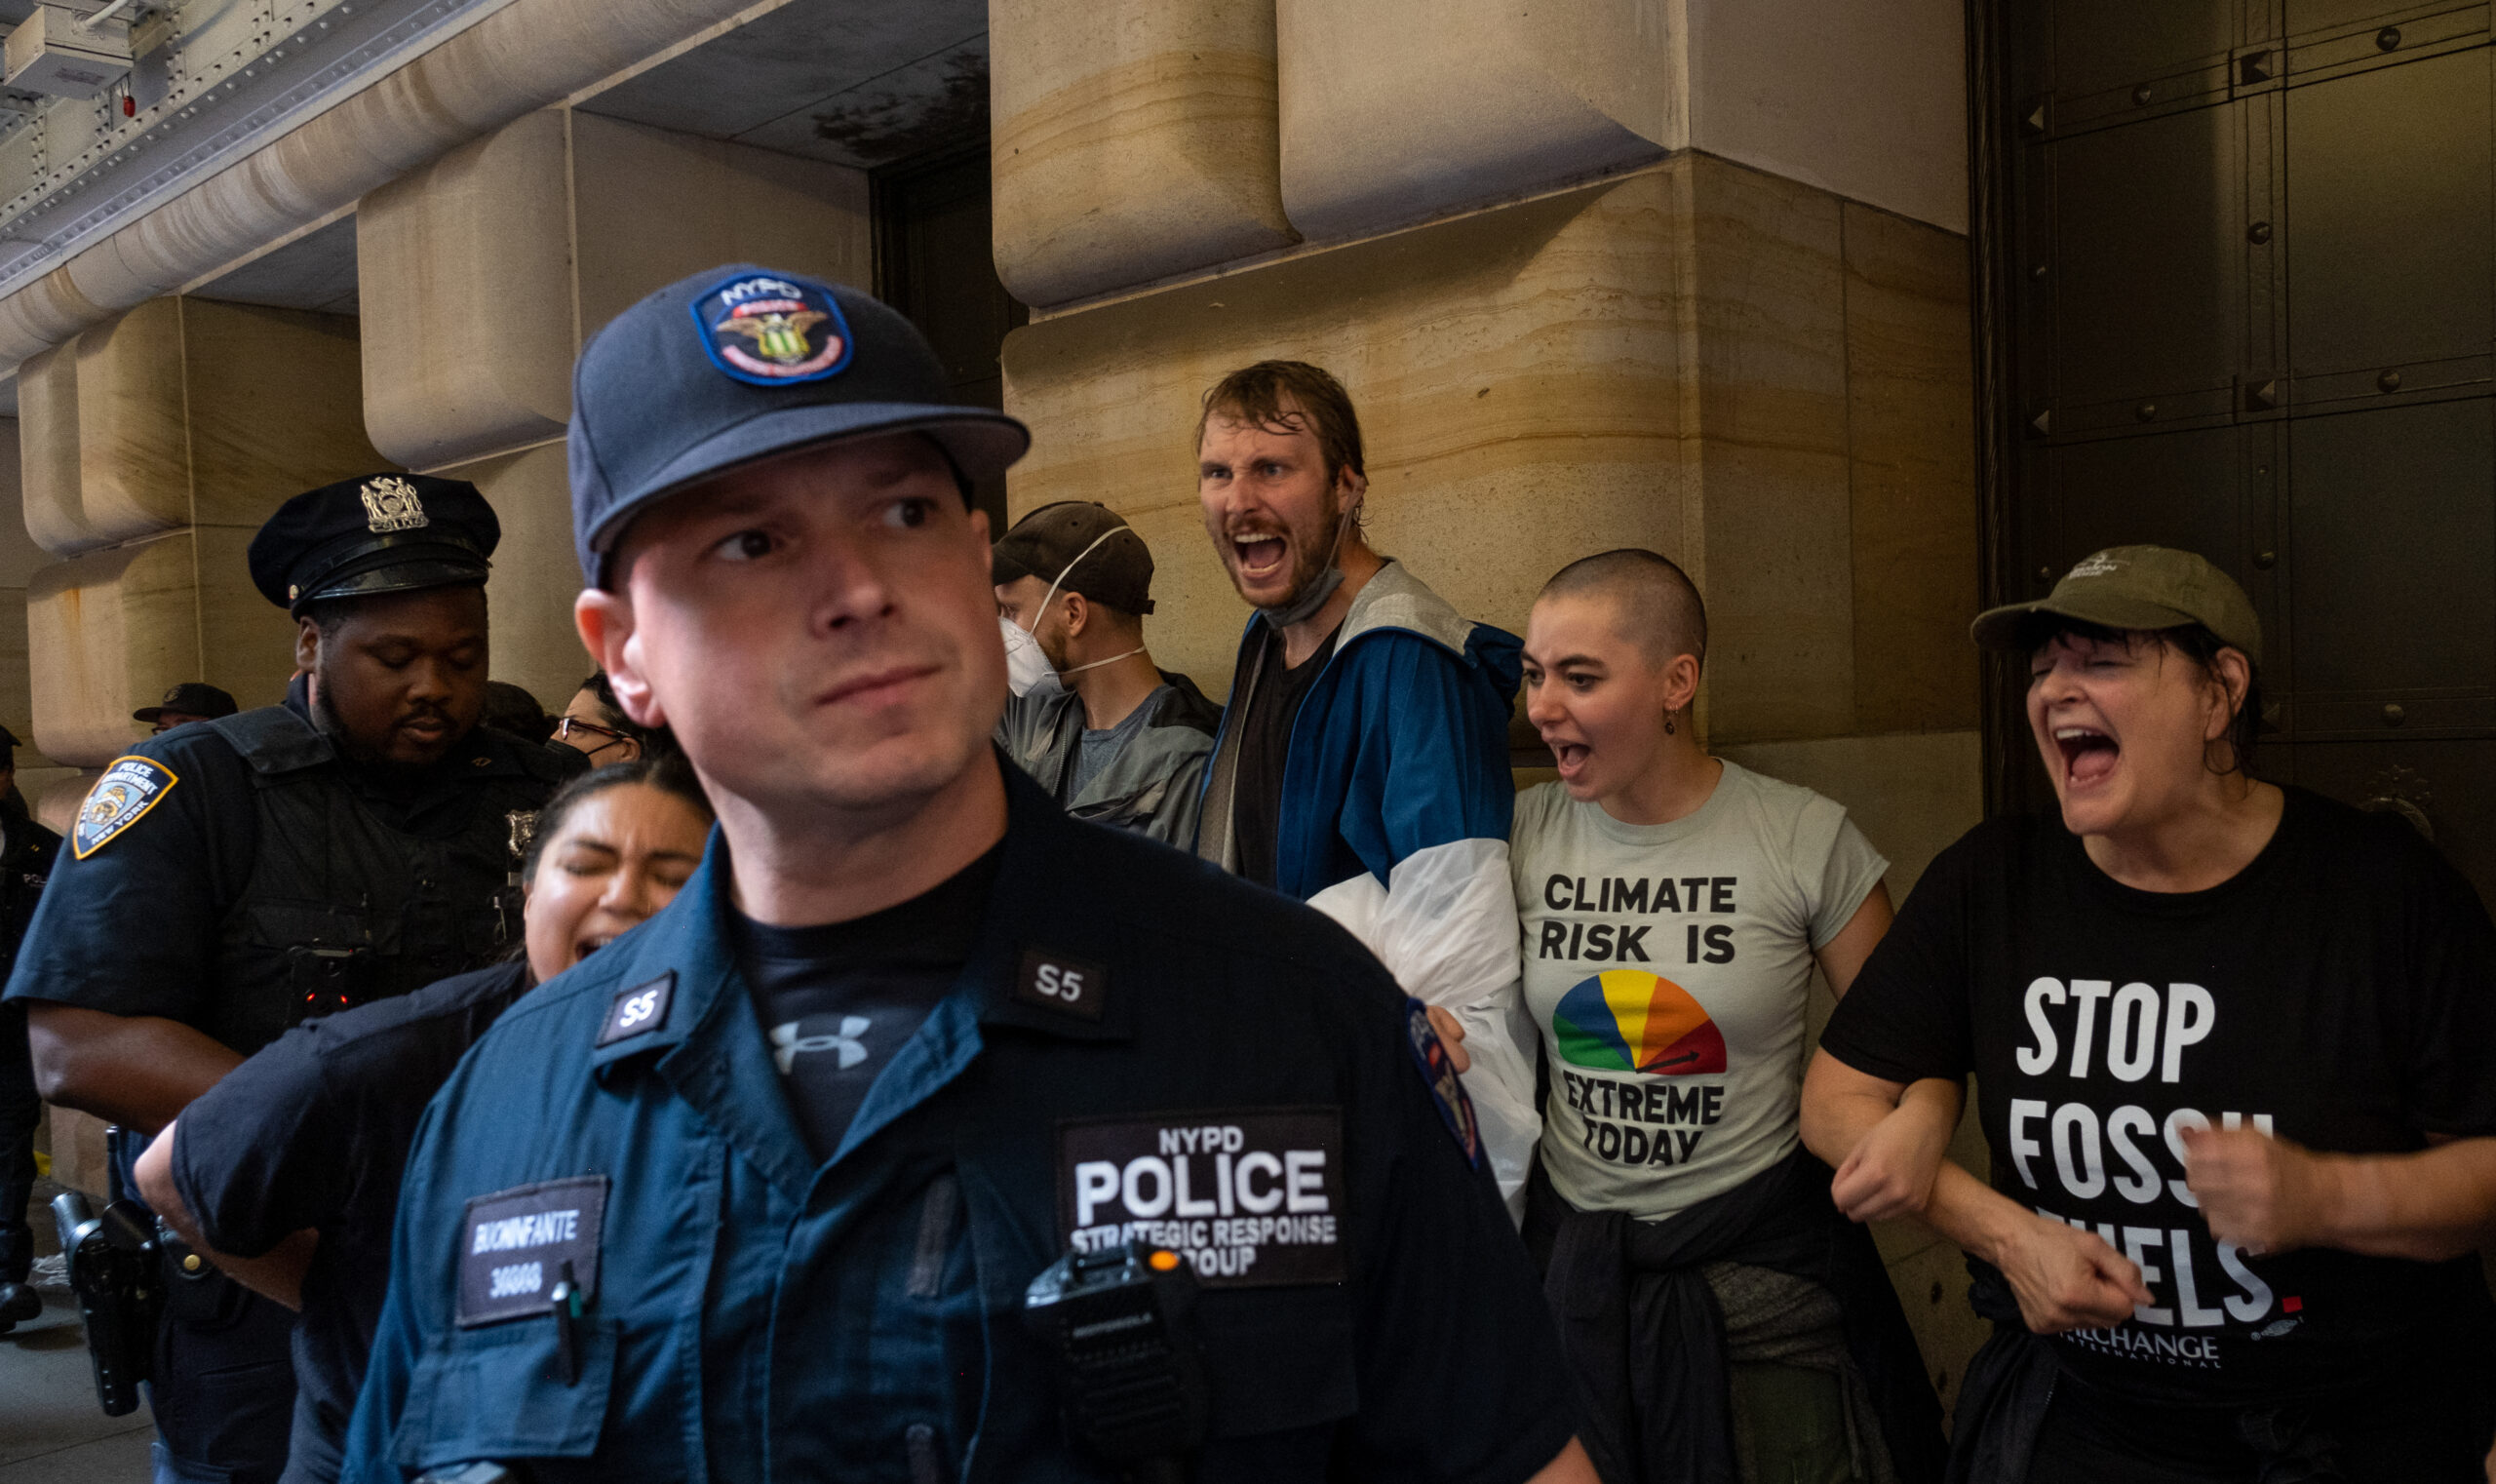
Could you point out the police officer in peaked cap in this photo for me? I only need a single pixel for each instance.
(929, 1133)
(226, 880)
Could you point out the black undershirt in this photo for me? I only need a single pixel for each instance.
(837, 1000)
(1264, 747)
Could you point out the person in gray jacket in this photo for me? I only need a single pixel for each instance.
(1109, 735)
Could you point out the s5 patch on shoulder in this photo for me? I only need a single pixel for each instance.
(128, 789)
(638, 1010)
(767, 330)
(1069, 986)
(514, 1245)
(1447, 1089)
(1253, 1198)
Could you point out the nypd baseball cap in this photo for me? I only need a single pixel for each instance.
(1077, 546)
(2133, 587)
(743, 362)
(372, 535)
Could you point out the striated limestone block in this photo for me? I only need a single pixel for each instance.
(1397, 110)
(55, 517)
(1517, 375)
(183, 412)
(276, 406)
(481, 272)
(1768, 316)
(651, 206)
(529, 600)
(110, 631)
(1866, 101)
(133, 444)
(1911, 425)
(464, 277)
(1131, 140)
(1394, 111)
(1668, 359)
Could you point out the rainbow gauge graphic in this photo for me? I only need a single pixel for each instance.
(1629, 1020)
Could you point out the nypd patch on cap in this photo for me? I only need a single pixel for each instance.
(769, 331)
(745, 362)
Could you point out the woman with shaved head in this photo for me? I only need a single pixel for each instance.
(1674, 906)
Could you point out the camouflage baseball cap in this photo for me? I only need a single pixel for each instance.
(2144, 588)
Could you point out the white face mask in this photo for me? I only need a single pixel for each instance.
(1027, 669)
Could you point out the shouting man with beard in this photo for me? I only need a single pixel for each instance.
(231, 879)
(1362, 766)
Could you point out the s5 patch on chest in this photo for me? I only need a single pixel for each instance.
(514, 1245)
(128, 789)
(1251, 1196)
(638, 1010)
(1069, 986)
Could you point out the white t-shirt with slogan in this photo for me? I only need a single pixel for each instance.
(1667, 967)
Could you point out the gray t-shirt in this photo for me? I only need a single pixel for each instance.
(1668, 966)
(1099, 749)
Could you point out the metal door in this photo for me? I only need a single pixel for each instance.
(2237, 267)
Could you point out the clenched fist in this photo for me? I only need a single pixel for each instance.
(2263, 1194)
(2067, 1278)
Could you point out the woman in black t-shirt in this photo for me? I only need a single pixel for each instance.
(2231, 1044)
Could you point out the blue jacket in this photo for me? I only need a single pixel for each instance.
(755, 1316)
(1395, 821)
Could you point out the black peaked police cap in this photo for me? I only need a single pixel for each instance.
(743, 362)
(372, 535)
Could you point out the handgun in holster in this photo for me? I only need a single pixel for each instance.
(116, 1268)
(1121, 1321)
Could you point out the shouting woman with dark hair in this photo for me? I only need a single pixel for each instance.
(309, 1136)
(2229, 1041)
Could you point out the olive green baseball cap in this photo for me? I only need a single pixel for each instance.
(2144, 588)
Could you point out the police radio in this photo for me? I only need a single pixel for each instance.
(1122, 1322)
(114, 1269)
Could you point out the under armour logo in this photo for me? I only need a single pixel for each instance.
(789, 1044)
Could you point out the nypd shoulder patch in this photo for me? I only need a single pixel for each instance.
(767, 331)
(128, 789)
(1438, 1072)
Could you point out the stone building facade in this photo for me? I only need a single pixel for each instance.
(1684, 274)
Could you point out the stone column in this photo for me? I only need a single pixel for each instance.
(1681, 274)
(481, 274)
(154, 445)
(151, 449)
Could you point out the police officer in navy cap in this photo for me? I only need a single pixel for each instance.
(227, 880)
(929, 1134)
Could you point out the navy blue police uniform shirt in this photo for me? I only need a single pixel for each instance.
(312, 1133)
(1137, 1044)
(129, 922)
(837, 1000)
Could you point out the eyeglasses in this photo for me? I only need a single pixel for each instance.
(569, 727)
